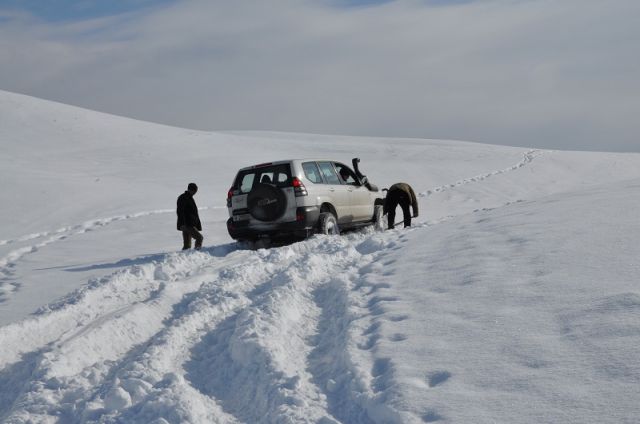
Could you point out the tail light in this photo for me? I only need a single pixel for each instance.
(229, 196)
(298, 188)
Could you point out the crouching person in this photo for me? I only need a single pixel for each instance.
(400, 194)
(188, 218)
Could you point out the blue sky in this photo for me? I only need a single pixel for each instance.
(541, 73)
(75, 10)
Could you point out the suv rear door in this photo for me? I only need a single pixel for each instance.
(276, 175)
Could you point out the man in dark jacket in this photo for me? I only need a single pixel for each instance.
(188, 219)
(400, 194)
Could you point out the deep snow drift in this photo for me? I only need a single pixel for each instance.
(514, 298)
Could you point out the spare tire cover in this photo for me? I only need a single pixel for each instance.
(266, 202)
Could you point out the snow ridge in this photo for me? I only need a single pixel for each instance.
(527, 158)
(8, 262)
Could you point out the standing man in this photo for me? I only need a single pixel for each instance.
(400, 194)
(188, 219)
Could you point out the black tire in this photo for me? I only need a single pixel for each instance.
(378, 218)
(266, 202)
(328, 224)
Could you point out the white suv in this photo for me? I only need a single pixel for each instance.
(299, 197)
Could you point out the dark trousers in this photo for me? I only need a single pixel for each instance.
(187, 234)
(393, 200)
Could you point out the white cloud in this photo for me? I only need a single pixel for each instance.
(540, 72)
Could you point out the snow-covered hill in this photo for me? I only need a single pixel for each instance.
(514, 299)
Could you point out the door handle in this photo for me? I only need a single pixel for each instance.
(332, 189)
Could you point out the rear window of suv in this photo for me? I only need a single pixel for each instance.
(277, 175)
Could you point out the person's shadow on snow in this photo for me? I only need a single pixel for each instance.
(217, 251)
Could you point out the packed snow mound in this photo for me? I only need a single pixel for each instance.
(512, 298)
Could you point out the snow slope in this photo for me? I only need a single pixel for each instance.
(514, 299)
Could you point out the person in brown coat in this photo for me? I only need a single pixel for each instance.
(400, 194)
(188, 218)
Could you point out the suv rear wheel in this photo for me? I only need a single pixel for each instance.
(328, 224)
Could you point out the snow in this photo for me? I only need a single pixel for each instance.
(513, 298)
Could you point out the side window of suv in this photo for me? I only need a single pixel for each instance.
(329, 173)
(311, 172)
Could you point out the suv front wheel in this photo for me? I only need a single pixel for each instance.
(328, 224)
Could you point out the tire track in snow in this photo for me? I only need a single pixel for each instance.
(97, 299)
(131, 376)
(527, 158)
(241, 337)
(269, 362)
(344, 361)
(94, 223)
(84, 227)
(9, 261)
(150, 376)
(255, 362)
(77, 344)
(248, 331)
